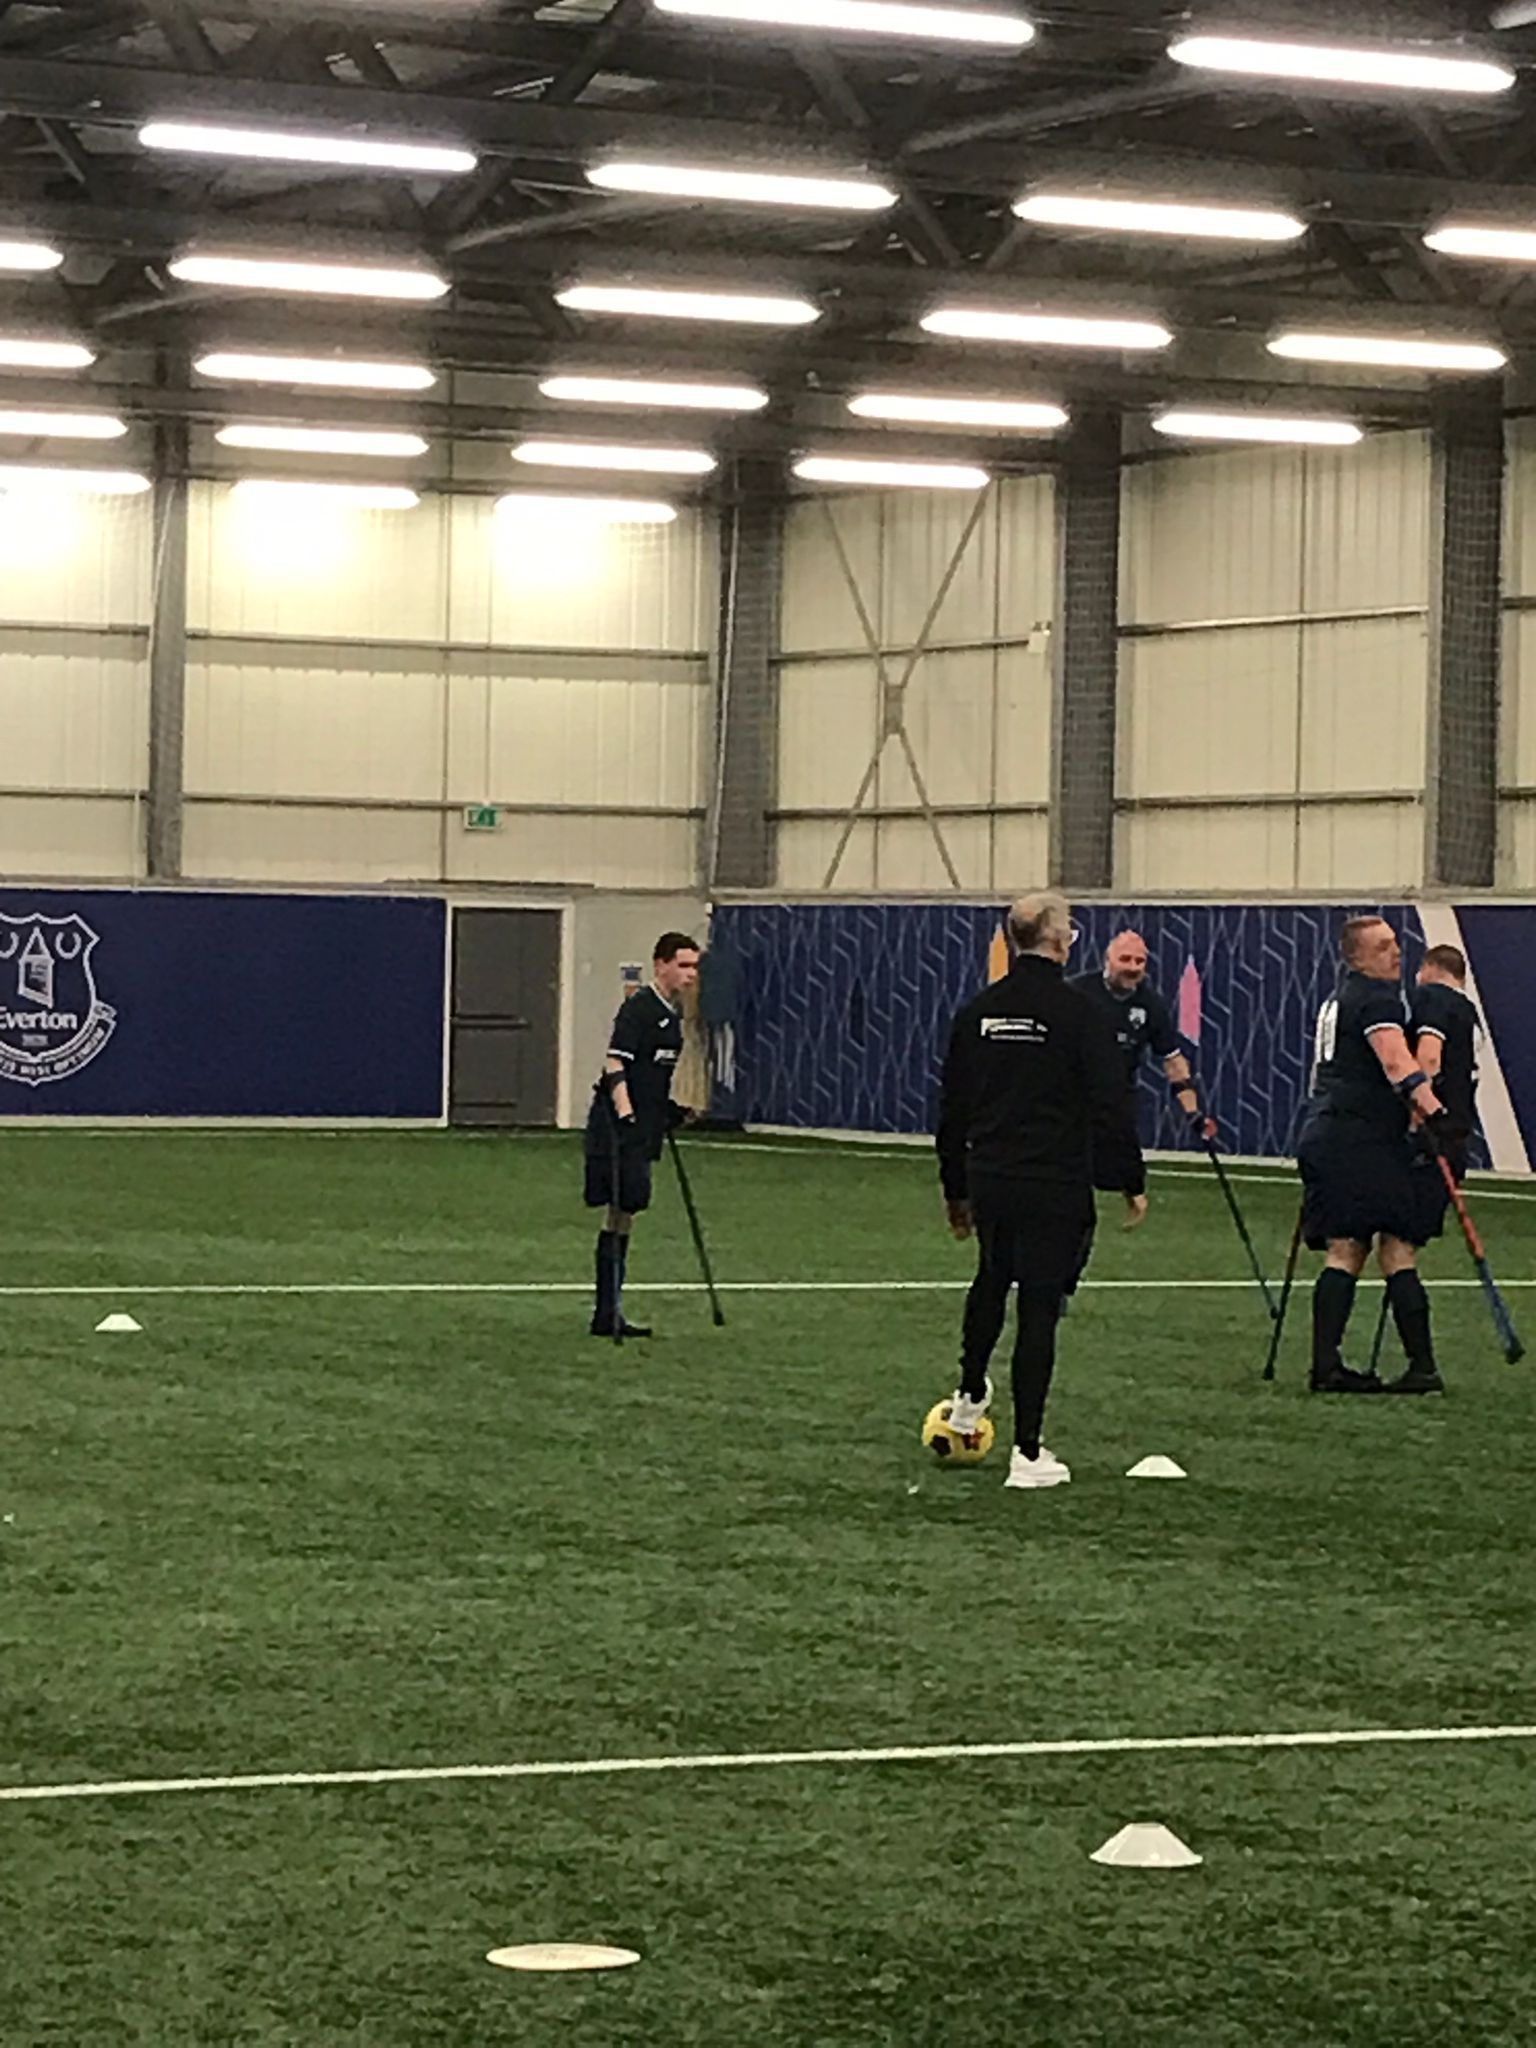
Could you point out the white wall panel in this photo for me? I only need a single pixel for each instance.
(1023, 765)
(828, 714)
(909, 858)
(1365, 847)
(951, 721)
(75, 561)
(1020, 853)
(527, 582)
(923, 532)
(617, 853)
(806, 847)
(1206, 852)
(1519, 699)
(288, 843)
(1212, 537)
(1520, 508)
(1206, 714)
(1364, 703)
(333, 731)
(1367, 524)
(261, 567)
(818, 612)
(1026, 554)
(577, 740)
(73, 720)
(69, 837)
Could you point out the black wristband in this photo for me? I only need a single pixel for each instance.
(1405, 1087)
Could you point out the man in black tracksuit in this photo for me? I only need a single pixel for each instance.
(1035, 1115)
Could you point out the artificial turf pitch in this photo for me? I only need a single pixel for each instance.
(332, 1531)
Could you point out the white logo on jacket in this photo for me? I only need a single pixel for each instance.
(1016, 1030)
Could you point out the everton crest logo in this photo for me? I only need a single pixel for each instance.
(52, 1021)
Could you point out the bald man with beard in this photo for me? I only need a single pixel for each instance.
(1142, 1023)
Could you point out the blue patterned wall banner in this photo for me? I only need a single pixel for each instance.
(845, 1007)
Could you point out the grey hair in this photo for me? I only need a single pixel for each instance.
(1033, 918)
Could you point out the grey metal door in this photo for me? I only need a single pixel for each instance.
(505, 1060)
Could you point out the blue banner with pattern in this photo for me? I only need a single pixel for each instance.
(845, 1007)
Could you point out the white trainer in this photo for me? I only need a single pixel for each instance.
(1046, 1470)
(965, 1415)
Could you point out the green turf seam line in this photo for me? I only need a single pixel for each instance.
(772, 1759)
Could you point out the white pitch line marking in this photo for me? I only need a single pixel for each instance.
(522, 1287)
(904, 1753)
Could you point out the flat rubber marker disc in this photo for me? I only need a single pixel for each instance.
(561, 1955)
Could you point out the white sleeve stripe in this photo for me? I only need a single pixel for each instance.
(1431, 1031)
(1371, 1029)
(617, 1052)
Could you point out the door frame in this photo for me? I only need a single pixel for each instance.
(565, 1028)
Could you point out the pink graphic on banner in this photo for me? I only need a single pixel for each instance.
(1189, 1003)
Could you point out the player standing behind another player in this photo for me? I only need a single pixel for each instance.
(1034, 1101)
(630, 1116)
(1142, 1023)
(1446, 1032)
(1357, 1159)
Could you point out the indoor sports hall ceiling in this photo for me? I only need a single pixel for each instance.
(543, 97)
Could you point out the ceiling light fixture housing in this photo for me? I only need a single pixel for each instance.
(1388, 351)
(659, 302)
(884, 475)
(987, 27)
(1182, 219)
(1045, 330)
(1391, 69)
(277, 275)
(1188, 423)
(337, 373)
(270, 145)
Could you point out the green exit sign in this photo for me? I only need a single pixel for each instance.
(482, 817)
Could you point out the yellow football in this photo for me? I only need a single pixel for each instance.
(948, 1445)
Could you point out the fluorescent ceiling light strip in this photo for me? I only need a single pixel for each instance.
(365, 497)
(1256, 426)
(655, 392)
(614, 455)
(659, 303)
(1026, 416)
(287, 274)
(105, 483)
(19, 255)
(1338, 64)
(22, 352)
(748, 188)
(267, 145)
(1046, 330)
(931, 476)
(1388, 351)
(1497, 245)
(868, 17)
(321, 440)
(1159, 217)
(64, 426)
(539, 506)
(332, 372)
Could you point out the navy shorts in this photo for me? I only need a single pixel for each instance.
(618, 1177)
(1360, 1185)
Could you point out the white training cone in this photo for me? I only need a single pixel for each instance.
(1147, 1845)
(561, 1955)
(116, 1324)
(1157, 1468)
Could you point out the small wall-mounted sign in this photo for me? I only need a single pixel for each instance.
(482, 817)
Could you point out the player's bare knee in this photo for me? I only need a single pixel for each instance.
(1396, 1256)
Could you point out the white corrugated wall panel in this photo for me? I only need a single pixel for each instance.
(1205, 714)
(1364, 701)
(1212, 537)
(1361, 847)
(925, 541)
(951, 722)
(1519, 699)
(71, 838)
(1026, 554)
(1520, 509)
(828, 720)
(75, 561)
(75, 719)
(818, 612)
(1367, 524)
(1020, 855)
(618, 853)
(529, 583)
(1225, 851)
(1024, 724)
(909, 858)
(334, 731)
(262, 567)
(526, 739)
(805, 850)
(258, 842)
